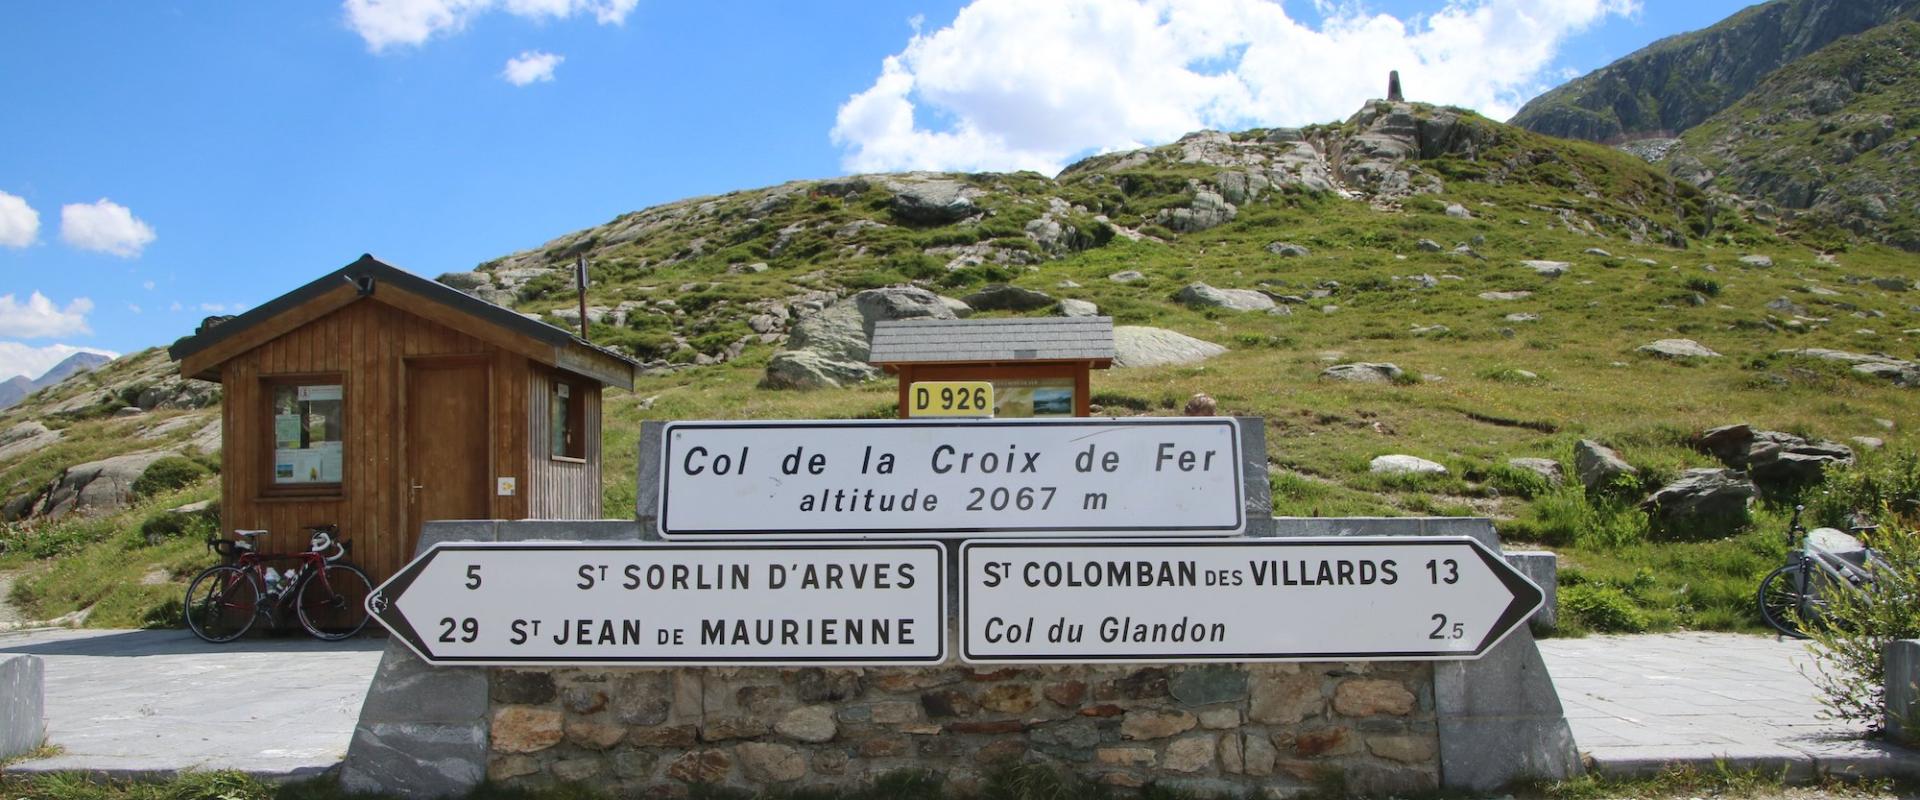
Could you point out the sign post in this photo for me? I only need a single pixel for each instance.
(950, 478)
(779, 604)
(1129, 601)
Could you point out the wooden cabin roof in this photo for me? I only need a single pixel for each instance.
(946, 341)
(368, 278)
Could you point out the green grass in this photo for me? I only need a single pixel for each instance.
(104, 565)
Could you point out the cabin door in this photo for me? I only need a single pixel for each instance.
(447, 452)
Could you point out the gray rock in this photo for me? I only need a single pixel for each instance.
(1127, 276)
(1549, 269)
(1429, 330)
(1702, 504)
(1288, 250)
(1785, 306)
(830, 347)
(958, 306)
(930, 201)
(1142, 346)
(1002, 297)
(1597, 465)
(746, 269)
(1868, 442)
(1457, 211)
(1595, 251)
(1208, 685)
(1502, 296)
(25, 438)
(1893, 284)
(1523, 316)
(1207, 210)
(1363, 372)
(1429, 246)
(1422, 280)
(1067, 284)
(1677, 349)
(1757, 261)
(1200, 295)
(1546, 468)
(97, 486)
(1405, 464)
(810, 369)
(1070, 307)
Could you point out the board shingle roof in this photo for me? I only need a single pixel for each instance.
(922, 341)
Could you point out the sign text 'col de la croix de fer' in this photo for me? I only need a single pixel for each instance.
(951, 478)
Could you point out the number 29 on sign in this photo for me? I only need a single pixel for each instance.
(950, 399)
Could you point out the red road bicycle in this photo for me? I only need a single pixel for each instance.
(328, 595)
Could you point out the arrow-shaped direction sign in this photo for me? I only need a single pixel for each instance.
(642, 604)
(1134, 600)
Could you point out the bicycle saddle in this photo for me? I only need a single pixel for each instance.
(246, 534)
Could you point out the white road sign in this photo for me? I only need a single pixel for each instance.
(791, 604)
(1132, 600)
(951, 478)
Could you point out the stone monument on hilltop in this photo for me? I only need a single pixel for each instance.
(1393, 87)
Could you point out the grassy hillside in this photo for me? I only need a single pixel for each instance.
(1409, 214)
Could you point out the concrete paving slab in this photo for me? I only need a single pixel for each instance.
(1641, 704)
(144, 703)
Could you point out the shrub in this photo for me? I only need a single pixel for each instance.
(1600, 607)
(1890, 482)
(1518, 482)
(168, 474)
(1706, 286)
(166, 524)
(1856, 627)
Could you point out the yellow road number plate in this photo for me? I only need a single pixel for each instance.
(950, 399)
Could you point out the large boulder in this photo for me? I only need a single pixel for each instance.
(1142, 346)
(97, 486)
(1200, 295)
(931, 201)
(1405, 465)
(1876, 365)
(1002, 297)
(1598, 465)
(1208, 209)
(1678, 349)
(830, 347)
(1363, 372)
(1702, 504)
(25, 438)
(1070, 307)
(1776, 460)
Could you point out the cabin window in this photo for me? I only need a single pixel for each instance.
(306, 424)
(568, 409)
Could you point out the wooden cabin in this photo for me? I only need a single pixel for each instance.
(375, 399)
(1039, 367)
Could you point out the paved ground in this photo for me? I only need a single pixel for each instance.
(137, 702)
(133, 702)
(1637, 703)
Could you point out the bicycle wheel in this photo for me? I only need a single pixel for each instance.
(222, 604)
(332, 604)
(1784, 601)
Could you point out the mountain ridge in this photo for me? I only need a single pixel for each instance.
(16, 388)
(1679, 81)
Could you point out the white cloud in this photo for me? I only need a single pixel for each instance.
(176, 307)
(105, 227)
(1020, 85)
(133, 307)
(20, 359)
(214, 308)
(385, 23)
(531, 66)
(148, 285)
(38, 317)
(19, 223)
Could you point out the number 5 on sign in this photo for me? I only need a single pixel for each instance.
(950, 399)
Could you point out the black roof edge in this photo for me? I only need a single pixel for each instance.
(380, 272)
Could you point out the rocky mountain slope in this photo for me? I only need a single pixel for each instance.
(1678, 82)
(1829, 140)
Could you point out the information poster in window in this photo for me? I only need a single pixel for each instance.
(1033, 397)
(307, 434)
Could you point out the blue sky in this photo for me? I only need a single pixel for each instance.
(160, 162)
